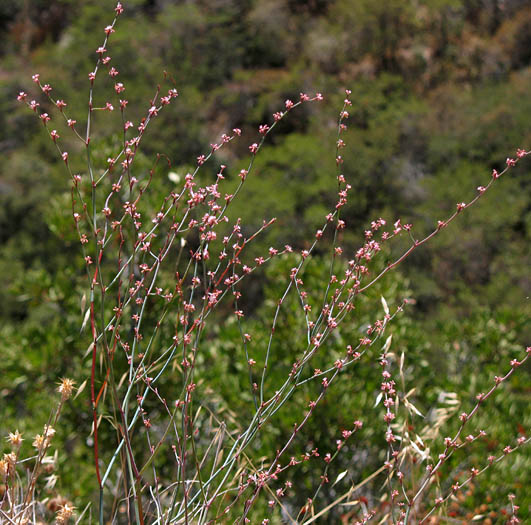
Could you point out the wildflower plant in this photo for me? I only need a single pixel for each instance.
(25, 498)
(161, 274)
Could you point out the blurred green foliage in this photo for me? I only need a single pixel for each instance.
(441, 96)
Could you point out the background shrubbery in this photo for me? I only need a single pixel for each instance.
(440, 92)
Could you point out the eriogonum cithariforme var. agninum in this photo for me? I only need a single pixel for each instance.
(214, 479)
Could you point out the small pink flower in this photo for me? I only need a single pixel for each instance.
(153, 111)
(253, 148)
(34, 105)
(101, 50)
(35, 78)
(119, 9)
(397, 227)
(109, 106)
(304, 97)
(65, 156)
(278, 115)
(510, 162)
(61, 104)
(92, 76)
(318, 96)
(54, 135)
(495, 174)
(113, 72)
(263, 129)
(289, 104)
(45, 118)
(21, 96)
(108, 30)
(119, 87)
(46, 88)
(520, 153)
(105, 60)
